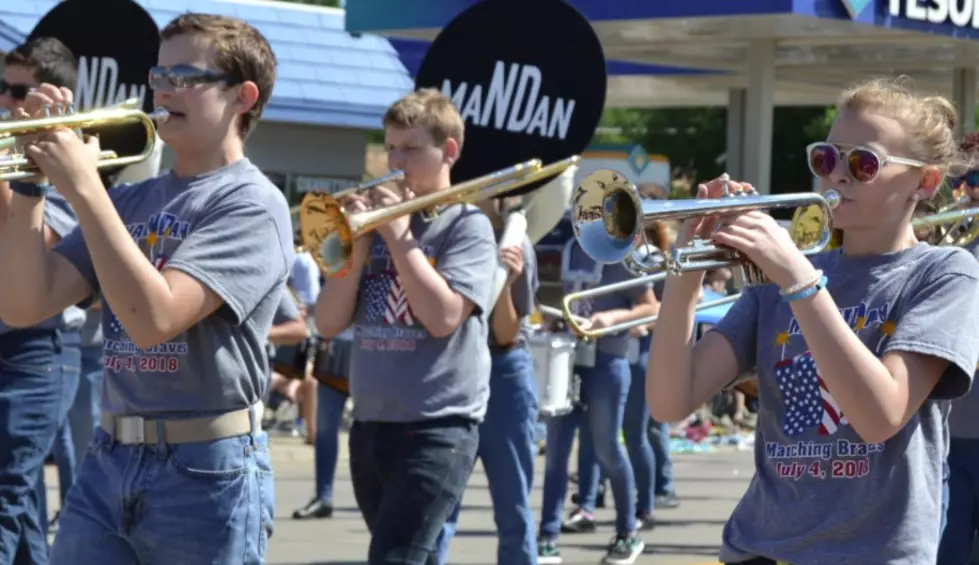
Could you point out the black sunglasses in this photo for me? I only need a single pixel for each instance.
(971, 178)
(17, 91)
(185, 76)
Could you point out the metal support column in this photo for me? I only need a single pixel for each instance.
(734, 154)
(759, 115)
(964, 98)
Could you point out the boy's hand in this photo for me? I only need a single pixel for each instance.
(512, 259)
(355, 204)
(399, 228)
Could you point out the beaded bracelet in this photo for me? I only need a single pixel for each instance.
(803, 285)
(806, 292)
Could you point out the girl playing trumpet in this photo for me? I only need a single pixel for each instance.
(857, 350)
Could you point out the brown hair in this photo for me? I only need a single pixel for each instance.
(431, 110)
(50, 60)
(661, 235)
(242, 53)
(929, 121)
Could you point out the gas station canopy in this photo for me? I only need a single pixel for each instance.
(671, 53)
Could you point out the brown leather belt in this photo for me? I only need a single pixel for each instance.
(138, 430)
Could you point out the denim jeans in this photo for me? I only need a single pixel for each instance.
(635, 425)
(69, 360)
(329, 415)
(604, 390)
(962, 515)
(83, 416)
(507, 447)
(193, 503)
(407, 479)
(659, 439)
(30, 402)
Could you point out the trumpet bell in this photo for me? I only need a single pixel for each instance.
(605, 216)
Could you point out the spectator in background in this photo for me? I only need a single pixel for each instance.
(305, 277)
(40, 373)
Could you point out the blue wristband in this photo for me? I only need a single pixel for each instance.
(807, 292)
(30, 189)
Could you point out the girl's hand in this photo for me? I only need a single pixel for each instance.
(703, 227)
(769, 246)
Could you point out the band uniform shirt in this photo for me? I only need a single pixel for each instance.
(230, 229)
(820, 494)
(60, 219)
(304, 278)
(398, 371)
(581, 272)
(523, 292)
(286, 311)
(963, 420)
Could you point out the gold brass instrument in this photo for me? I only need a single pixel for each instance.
(328, 231)
(957, 216)
(609, 220)
(17, 166)
(364, 186)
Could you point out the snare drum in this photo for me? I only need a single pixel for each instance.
(331, 365)
(554, 358)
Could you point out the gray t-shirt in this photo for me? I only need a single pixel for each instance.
(821, 495)
(523, 292)
(580, 272)
(398, 371)
(963, 420)
(230, 229)
(60, 219)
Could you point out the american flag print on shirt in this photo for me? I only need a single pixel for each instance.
(808, 403)
(386, 300)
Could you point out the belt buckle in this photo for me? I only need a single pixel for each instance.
(130, 429)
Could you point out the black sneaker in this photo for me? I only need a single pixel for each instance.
(667, 500)
(53, 523)
(578, 522)
(315, 509)
(645, 521)
(624, 550)
(548, 553)
(599, 499)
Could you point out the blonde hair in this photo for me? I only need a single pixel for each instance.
(430, 109)
(929, 121)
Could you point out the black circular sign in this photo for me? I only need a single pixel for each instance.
(528, 78)
(116, 42)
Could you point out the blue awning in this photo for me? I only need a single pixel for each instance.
(327, 76)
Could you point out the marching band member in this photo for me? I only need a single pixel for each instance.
(961, 519)
(604, 389)
(40, 370)
(190, 266)
(635, 426)
(855, 355)
(419, 369)
(507, 445)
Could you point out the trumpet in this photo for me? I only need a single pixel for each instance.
(609, 219)
(364, 186)
(328, 231)
(17, 166)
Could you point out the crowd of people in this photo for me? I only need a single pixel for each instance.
(195, 283)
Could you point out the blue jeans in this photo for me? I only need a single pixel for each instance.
(83, 416)
(193, 503)
(660, 441)
(635, 424)
(30, 402)
(507, 447)
(604, 390)
(963, 503)
(329, 415)
(407, 479)
(70, 360)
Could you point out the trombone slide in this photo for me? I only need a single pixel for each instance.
(576, 323)
(626, 326)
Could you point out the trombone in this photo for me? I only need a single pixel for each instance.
(17, 166)
(609, 219)
(955, 214)
(576, 323)
(328, 231)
